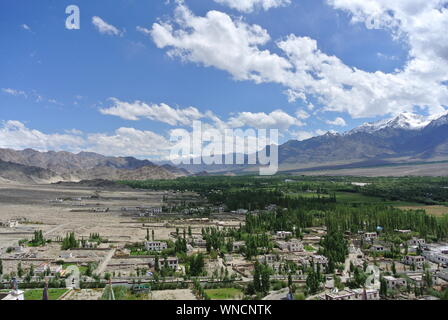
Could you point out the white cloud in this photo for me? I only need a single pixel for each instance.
(293, 96)
(26, 27)
(302, 135)
(277, 119)
(32, 94)
(305, 135)
(129, 142)
(123, 142)
(14, 92)
(337, 122)
(302, 114)
(321, 132)
(143, 30)
(217, 40)
(105, 28)
(162, 112)
(252, 5)
(14, 134)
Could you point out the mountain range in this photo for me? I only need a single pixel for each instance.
(43, 167)
(408, 143)
(407, 139)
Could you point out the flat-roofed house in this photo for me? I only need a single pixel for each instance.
(355, 294)
(417, 261)
(156, 245)
(394, 283)
(284, 234)
(370, 236)
(172, 262)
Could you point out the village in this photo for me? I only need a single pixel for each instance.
(80, 244)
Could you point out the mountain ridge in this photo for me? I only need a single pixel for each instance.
(32, 166)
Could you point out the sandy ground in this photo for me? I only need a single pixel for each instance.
(432, 210)
(36, 204)
(85, 294)
(181, 294)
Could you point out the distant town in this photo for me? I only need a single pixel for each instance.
(226, 238)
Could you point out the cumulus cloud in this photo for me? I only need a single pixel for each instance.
(277, 119)
(161, 112)
(302, 135)
(123, 142)
(138, 110)
(251, 5)
(105, 28)
(337, 122)
(217, 40)
(129, 142)
(14, 134)
(302, 114)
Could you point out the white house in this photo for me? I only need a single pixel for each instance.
(417, 261)
(377, 248)
(172, 263)
(437, 254)
(369, 236)
(284, 234)
(394, 283)
(291, 246)
(417, 242)
(356, 294)
(155, 245)
(267, 258)
(46, 267)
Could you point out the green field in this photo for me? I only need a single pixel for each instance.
(309, 248)
(82, 269)
(36, 294)
(224, 293)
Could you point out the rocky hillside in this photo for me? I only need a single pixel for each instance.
(31, 166)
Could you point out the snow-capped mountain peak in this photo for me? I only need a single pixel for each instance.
(440, 121)
(404, 121)
(409, 121)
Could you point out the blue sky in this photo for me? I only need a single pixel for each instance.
(54, 82)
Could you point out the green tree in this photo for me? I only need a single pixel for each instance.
(313, 280)
(70, 242)
(257, 277)
(196, 265)
(394, 268)
(19, 270)
(156, 264)
(383, 287)
(265, 279)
